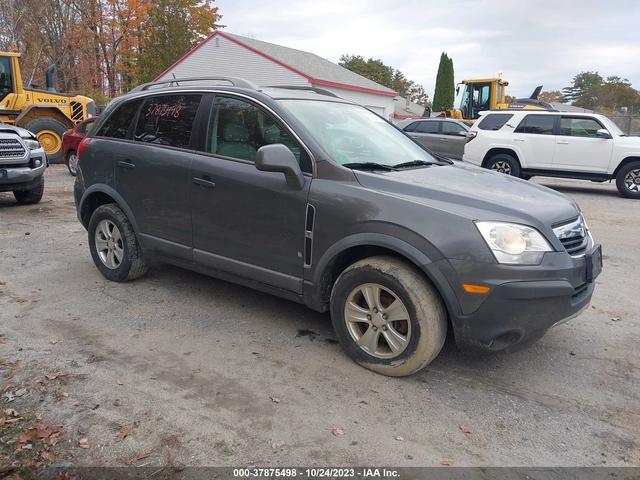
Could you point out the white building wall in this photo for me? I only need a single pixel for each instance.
(222, 57)
(380, 104)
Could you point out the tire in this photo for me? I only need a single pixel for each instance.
(30, 196)
(53, 129)
(72, 162)
(424, 330)
(504, 163)
(126, 261)
(628, 180)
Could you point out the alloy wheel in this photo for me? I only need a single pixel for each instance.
(502, 167)
(632, 180)
(73, 163)
(377, 320)
(109, 244)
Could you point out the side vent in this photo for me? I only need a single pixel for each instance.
(308, 234)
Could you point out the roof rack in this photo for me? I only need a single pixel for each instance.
(320, 91)
(234, 81)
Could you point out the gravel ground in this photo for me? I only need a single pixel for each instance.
(197, 371)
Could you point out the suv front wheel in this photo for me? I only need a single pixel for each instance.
(628, 180)
(504, 163)
(114, 246)
(387, 316)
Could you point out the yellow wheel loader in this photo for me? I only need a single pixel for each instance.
(475, 96)
(46, 113)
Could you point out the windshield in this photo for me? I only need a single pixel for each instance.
(614, 127)
(352, 134)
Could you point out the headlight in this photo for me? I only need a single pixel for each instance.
(31, 144)
(514, 244)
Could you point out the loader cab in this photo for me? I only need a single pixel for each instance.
(6, 77)
(475, 96)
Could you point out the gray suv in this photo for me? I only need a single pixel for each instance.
(299, 193)
(22, 164)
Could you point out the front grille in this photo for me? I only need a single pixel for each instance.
(574, 236)
(11, 148)
(76, 111)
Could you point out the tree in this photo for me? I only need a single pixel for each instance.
(379, 72)
(554, 96)
(445, 89)
(582, 91)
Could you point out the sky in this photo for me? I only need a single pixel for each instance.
(532, 43)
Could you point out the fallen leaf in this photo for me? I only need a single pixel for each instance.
(399, 438)
(11, 412)
(616, 319)
(119, 382)
(83, 443)
(137, 458)
(465, 428)
(124, 433)
(12, 420)
(501, 425)
(337, 431)
(21, 300)
(65, 394)
(275, 399)
(447, 462)
(27, 436)
(2, 282)
(53, 341)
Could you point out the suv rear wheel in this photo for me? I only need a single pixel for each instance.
(504, 163)
(628, 180)
(387, 316)
(114, 246)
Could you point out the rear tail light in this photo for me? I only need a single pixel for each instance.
(470, 136)
(83, 144)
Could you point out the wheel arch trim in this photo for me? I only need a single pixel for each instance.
(117, 199)
(410, 253)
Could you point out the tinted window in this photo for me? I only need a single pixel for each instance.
(494, 121)
(451, 128)
(6, 83)
(427, 127)
(167, 120)
(117, 125)
(238, 129)
(579, 127)
(411, 127)
(538, 124)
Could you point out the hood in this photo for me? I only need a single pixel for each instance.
(474, 192)
(6, 128)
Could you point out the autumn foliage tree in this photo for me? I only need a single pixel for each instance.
(102, 48)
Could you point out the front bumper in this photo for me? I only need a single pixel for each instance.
(16, 178)
(523, 304)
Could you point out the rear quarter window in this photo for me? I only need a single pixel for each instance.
(118, 123)
(494, 121)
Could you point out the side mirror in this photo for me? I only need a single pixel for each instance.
(603, 133)
(278, 158)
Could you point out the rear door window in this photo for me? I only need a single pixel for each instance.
(118, 123)
(579, 127)
(537, 124)
(494, 121)
(427, 127)
(168, 120)
(452, 128)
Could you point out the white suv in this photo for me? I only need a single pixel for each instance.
(556, 144)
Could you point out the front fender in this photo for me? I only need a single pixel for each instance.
(315, 296)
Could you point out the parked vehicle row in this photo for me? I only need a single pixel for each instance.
(307, 196)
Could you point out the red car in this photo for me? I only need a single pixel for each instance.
(70, 141)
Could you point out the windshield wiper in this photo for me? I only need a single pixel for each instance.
(415, 163)
(368, 166)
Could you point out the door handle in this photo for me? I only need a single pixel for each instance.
(443, 139)
(126, 165)
(518, 139)
(201, 182)
(563, 142)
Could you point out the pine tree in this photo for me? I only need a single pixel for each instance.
(444, 92)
